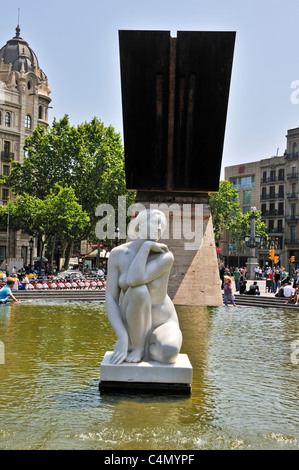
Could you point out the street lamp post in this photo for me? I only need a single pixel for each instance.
(7, 240)
(31, 242)
(252, 241)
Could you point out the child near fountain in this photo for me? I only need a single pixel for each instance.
(228, 291)
(5, 292)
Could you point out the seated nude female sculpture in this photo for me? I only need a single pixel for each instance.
(137, 305)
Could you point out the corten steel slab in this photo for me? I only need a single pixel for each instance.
(144, 57)
(175, 95)
(203, 73)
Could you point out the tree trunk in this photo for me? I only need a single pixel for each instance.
(68, 251)
(53, 251)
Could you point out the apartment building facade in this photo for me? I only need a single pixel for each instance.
(272, 186)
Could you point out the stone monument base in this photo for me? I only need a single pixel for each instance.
(194, 278)
(148, 376)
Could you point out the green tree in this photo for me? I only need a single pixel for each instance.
(224, 206)
(226, 213)
(240, 226)
(56, 217)
(88, 158)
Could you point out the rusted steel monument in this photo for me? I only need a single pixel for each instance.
(175, 95)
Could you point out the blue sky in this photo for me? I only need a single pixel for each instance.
(77, 47)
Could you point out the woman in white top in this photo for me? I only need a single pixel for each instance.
(17, 282)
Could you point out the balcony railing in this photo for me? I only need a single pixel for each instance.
(290, 156)
(272, 196)
(7, 156)
(291, 241)
(274, 213)
(270, 179)
(292, 196)
(275, 230)
(292, 218)
(292, 176)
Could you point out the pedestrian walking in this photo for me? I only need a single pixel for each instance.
(228, 291)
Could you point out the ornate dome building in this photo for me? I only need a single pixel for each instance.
(24, 103)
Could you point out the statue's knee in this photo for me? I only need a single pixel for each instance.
(166, 353)
(170, 353)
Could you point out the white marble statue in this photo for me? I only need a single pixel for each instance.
(137, 305)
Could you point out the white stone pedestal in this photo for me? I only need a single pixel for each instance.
(146, 376)
(251, 265)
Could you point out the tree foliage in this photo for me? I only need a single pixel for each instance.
(226, 213)
(224, 205)
(66, 173)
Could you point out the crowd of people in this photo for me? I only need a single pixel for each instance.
(279, 282)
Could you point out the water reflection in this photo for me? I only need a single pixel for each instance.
(244, 390)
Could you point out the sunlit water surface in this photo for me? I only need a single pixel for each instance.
(244, 390)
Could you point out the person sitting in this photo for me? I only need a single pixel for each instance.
(243, 287)
(294, 295)
(253, 289)
(288, 290)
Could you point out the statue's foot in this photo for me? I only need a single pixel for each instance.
(135, 356)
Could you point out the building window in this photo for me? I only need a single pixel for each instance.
(40, 112)
(264, 209)
(5, 170)
(264, 177)
(243, 182)
(293, 189)
(292, 233)
(0, 118)
(5, 195)
(272, 175)
(7, 119)
(281, 191)
(28, 122)
(6, 146)
(280, 208)
(281, 174)
(29, 85)
(279, 226)
(294, 148)
(247, 197)
(246, 209)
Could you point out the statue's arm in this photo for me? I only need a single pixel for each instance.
(113, 312)
(142, 270)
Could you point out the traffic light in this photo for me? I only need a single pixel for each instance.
(271, 254)
(292, 259)
(276, 259)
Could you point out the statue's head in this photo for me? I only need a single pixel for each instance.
(149, 224)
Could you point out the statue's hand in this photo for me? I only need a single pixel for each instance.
(120, 350)
(157, 247)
